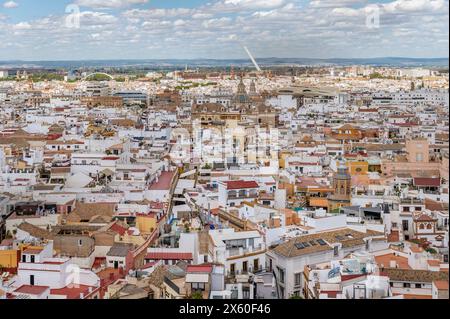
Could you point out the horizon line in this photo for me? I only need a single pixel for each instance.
(223, 59)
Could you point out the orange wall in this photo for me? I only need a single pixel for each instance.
(9, 258)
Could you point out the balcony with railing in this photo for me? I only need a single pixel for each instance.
(243, 251)
(242, 194)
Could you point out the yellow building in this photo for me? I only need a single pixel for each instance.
(9, 258)
(282, 159)
(146, 224)
(358, 167)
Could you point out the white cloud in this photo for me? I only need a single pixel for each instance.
(283, 28)
(22, 26)
(224, 6)
(99, 4)
(10, 5)
(406, 6)
(335, 3)
(254, 4)
(96, 18)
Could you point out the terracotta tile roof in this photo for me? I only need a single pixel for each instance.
(35, 231)
(441, 284)
(120, 250)
(241, 184)
(98, 262)
(86, 211)
(414, 275)
(386, 259)
(412, 296)
(416, 249)
(121, 230)
(109, 274)
(347, 237)
(71, 291)
(434, 263)
(168, 256)
(33, 251)
(164, 181)
(31, 290)
(427, 181)
(199, 269)
(394, 236)
(424, 218)
(434, 205)
(7, 242)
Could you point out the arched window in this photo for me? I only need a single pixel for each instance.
(421, 226)
(429, 226)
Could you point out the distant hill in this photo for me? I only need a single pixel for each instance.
(382, 61)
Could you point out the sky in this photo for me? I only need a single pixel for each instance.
(219, 29)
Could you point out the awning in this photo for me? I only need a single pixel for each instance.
(197, 278)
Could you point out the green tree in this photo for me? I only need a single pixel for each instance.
(197, 295)
(375, 75)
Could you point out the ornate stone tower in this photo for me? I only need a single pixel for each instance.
(252, 88)
(241, 95)
(241, 87)
(341, 196)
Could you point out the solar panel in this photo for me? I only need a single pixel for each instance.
(313, 243)
(321, 242)
(306, 244)
(299, 246)
(339, 237)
